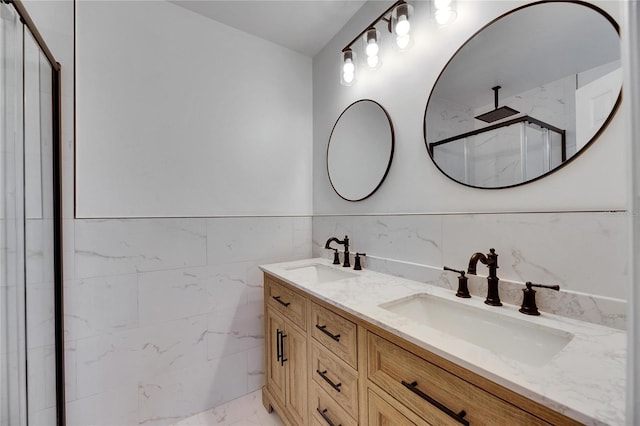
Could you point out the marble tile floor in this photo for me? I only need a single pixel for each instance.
(244, 411)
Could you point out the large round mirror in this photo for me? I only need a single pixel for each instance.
(360, 150)
(525, 95)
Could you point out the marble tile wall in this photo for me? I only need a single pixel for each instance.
(163, 317)
(585, 253)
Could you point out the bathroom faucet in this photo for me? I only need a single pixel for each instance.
(491, 260)
(344, 242)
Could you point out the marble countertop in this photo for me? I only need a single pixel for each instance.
(585, 380)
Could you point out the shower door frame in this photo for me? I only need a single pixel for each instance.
(57, 206)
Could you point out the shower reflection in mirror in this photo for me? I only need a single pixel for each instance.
(555, 96)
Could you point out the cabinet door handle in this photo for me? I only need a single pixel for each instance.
(282, 358)
(278, 351)
(413, 387)
(328, 380)
(326, 418)
(323, 328)
(277, 299)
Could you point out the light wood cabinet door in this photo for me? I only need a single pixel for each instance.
(287, 366)
(276, 374)
(295, 360)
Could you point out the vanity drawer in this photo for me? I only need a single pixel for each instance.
(336, 333)
(389, 366)
(381, 413)
(336, 378)
(289, 303)
(321, 404)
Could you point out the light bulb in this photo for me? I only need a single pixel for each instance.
(348, 67)
(372, 61)
(402, 26)
(372, 48)
(403, 41)
(348, 77)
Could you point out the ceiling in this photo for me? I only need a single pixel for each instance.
(305, 26)
(526, 49)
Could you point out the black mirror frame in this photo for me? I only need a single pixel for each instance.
(577, 154)
(393, 144)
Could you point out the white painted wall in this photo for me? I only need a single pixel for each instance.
(402, 85)
(163, 316)
(178, 115)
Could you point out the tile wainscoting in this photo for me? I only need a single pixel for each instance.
(583, 252)
(164, 316)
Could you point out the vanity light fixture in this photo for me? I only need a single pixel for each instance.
(372, 47)
(402, 25)
(397, 18)
(348, 71)
(445, 11)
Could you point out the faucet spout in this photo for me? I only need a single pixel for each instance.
(345, 243)
(327, 245)
(491, 260)
(473, 262)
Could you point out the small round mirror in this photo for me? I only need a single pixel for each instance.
(360, 150)
(525, 94)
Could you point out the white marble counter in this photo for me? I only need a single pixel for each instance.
(585, 380)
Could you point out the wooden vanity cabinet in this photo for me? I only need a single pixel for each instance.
(333, 368)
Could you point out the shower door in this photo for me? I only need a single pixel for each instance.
(31, 353)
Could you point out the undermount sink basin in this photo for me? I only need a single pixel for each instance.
(516, 339)
(318, 273)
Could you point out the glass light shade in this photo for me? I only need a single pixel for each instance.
(371, 39)
(403, 41)
(347, 68)
(401, 22)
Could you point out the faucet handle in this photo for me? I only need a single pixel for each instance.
(336, 257)
(529, 297)
(463, 289)
(356, 265)
(446, 268)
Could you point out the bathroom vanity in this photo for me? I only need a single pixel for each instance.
(348, 347)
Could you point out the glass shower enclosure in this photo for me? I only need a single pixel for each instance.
(503, 154)
(31, 338)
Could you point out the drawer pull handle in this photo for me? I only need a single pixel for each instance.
(457, 416)
(326, 418)
(278, 350)
(277, 299)
(323, 328)
(282, 358)
(328, 380)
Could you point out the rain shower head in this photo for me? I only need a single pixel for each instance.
(497, 113)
